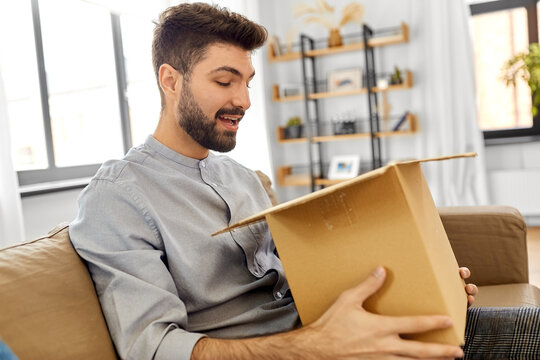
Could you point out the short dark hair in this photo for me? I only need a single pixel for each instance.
(184, 32)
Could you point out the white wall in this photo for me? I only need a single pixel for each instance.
(41, 213)
(514, 177)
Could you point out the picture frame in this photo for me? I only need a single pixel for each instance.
(344, 80)
(344, 167)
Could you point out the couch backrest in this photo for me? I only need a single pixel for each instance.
(490, 240)
(48, 305)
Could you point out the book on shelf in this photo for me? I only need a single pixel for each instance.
(401, 121)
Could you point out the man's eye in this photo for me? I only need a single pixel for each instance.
(222, 83)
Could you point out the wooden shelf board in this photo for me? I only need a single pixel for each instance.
(289, 98)
(292, 141)
(340, 137)
(295, 180)
(394, 133)
(304, 180)
(402, 37)
(335, 50)
(411, 120)
(285, 57)
(407, 84)
(324, 95)
(327, 182)
(329, 138)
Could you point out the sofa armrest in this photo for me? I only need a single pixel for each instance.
(490, 241)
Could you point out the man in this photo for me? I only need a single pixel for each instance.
(170, 290)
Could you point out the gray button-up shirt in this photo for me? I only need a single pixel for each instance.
(144, 226)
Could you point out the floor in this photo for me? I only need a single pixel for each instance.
(533, 247)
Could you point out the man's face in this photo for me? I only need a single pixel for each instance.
(214, 98)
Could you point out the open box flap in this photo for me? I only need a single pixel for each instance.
(320, 193)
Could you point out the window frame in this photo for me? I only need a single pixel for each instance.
(53, 177)
(520, 134)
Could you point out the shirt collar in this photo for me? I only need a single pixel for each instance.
(170, 154)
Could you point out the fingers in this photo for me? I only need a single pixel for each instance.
(464, 272)
(471, 289)
(369, 286)
(418, 324)
(423, 350)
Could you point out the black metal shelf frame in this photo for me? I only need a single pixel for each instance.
(310, 86)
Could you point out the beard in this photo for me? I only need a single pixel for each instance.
(200, 127)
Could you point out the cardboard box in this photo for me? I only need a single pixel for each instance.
(332, 239)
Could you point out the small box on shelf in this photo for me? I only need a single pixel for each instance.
(290, 94)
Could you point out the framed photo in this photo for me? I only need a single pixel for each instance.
(344, 167)
(343, 80)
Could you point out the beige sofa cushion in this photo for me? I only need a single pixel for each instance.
(48, 305)
(489, 240)
(508, 295)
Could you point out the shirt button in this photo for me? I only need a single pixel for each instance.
(279, 295)
(214, 184)
(203, 164)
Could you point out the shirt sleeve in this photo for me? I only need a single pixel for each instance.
(121, 245)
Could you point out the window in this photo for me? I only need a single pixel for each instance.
(81, 82)
(65, 79)
(142, 88)
(81, 87)
(501, 29)
(22, 86)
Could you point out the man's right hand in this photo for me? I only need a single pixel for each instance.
(348, 331)
(345, 331)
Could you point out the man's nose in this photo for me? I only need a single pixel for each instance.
(241, 99)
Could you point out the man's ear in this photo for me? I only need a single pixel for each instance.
(170, 81)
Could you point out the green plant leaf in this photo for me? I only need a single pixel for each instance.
(525, 65)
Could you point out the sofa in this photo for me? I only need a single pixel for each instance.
(49, 308)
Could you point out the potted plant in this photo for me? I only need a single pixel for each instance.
(395, 77)
(293, 128)
(527, 66)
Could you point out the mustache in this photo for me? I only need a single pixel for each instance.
(231, 111)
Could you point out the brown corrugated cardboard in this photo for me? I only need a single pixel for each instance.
(332, 239)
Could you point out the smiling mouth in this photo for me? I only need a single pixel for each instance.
(229, 120)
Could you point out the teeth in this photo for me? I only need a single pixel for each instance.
(232, 120)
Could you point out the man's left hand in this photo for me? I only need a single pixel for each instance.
(471, 289)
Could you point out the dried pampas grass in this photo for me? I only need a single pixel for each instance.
(353, 12)
(320, 20)
(322, 13)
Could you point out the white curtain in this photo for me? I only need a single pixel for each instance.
(441, 50)
(11, 221)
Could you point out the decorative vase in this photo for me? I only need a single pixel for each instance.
(335, 38)
(293, 132)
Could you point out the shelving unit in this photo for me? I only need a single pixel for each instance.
(412, 128)
(406, 84)
(314, 136)
(287, 178)
(399, 37)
